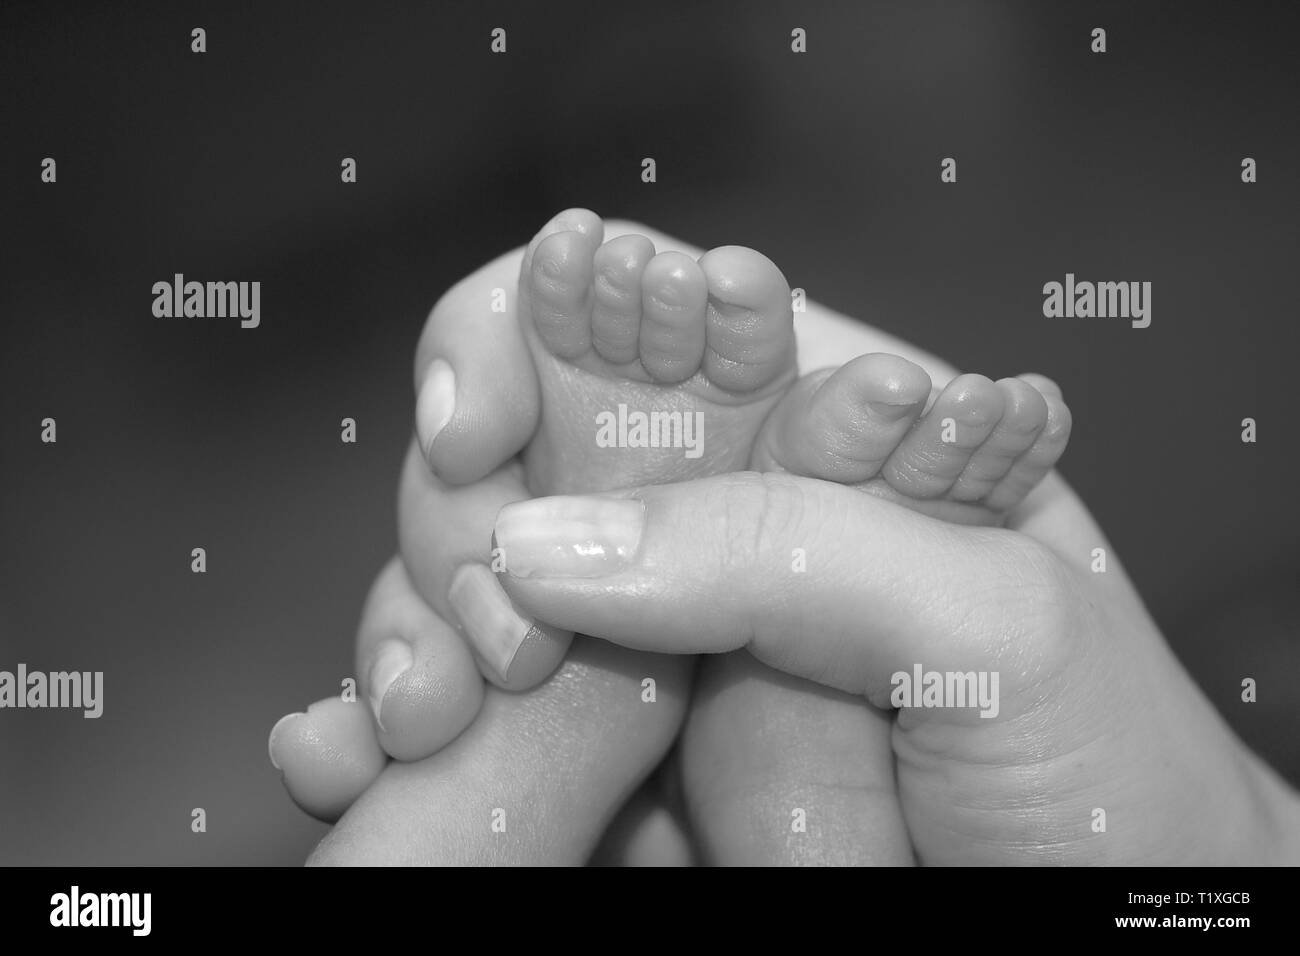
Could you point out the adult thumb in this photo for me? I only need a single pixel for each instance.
(817, 579)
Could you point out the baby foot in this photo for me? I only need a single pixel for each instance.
(970, 457)
(654, 367)
(976, 452)
(650, 368)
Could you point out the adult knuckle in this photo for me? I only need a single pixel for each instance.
(758, 515)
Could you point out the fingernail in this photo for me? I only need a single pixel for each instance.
(892, 411)
(569, 537)
(435, 404)
(270, 741)
(392, 659)
(488, 615)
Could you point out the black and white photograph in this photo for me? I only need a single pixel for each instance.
(597, 434)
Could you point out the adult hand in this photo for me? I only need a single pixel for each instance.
(587, 724)
(1093, 721)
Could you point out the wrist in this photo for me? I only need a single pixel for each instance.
(1279, 830)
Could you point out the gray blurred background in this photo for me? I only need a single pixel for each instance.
(183, 433)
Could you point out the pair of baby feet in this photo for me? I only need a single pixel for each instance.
(657, 367)
(612, 324)
(700, 357)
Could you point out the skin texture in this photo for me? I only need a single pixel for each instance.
(825, 338)
(1095, 712)
(1120, 708)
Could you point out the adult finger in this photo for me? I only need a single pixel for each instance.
(477, 398)
(444, 531)
(816, 579)
(415, 671)
(535, 780)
